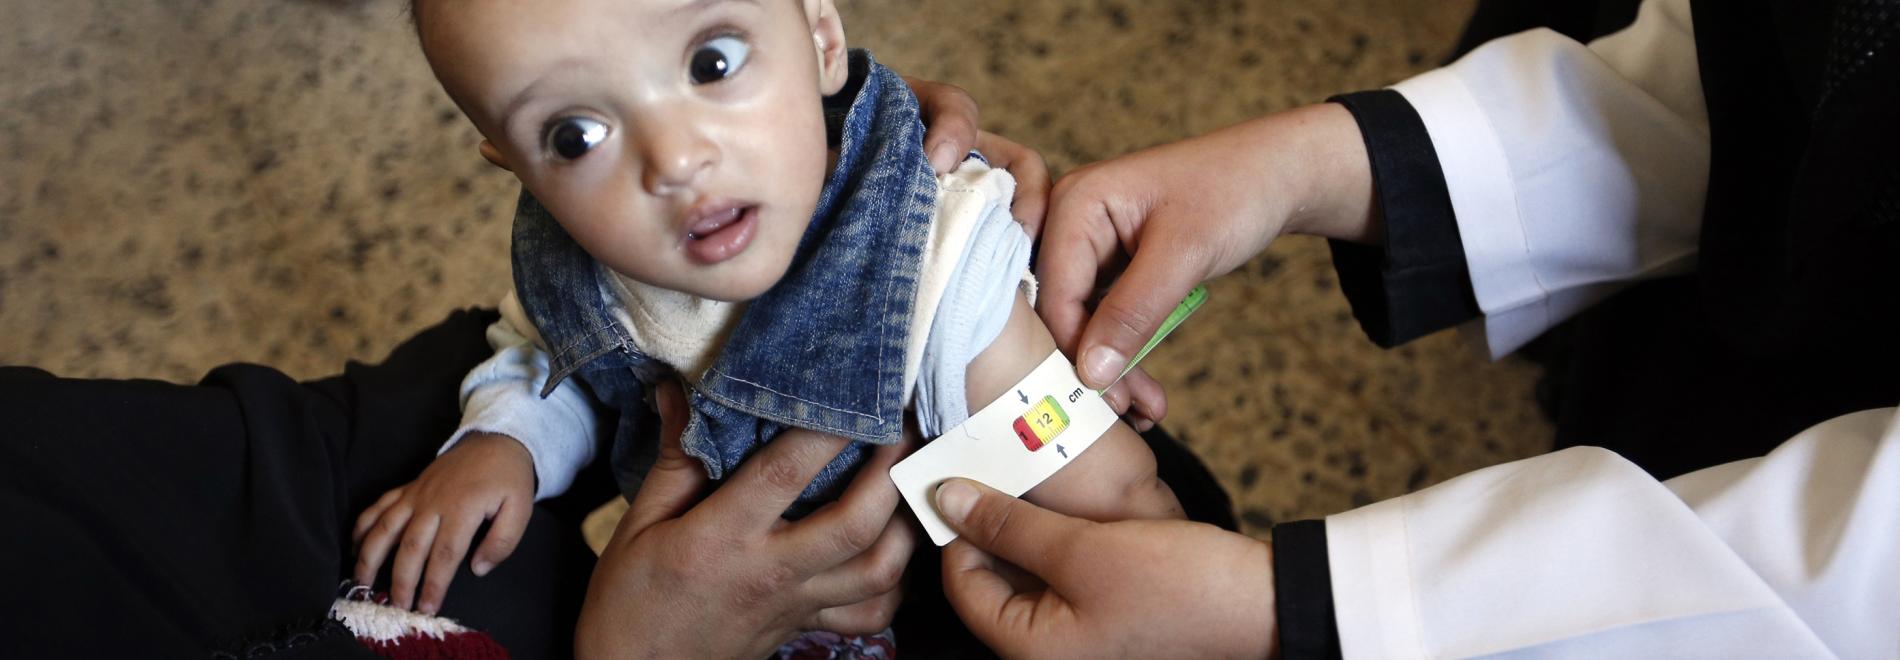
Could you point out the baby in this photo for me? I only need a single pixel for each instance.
(717, 191)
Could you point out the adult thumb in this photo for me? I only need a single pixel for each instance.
(1156, 281)
(676, 481)
(1021, 533)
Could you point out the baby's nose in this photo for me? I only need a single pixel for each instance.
(674, 157)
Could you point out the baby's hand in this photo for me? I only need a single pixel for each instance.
(485, 477)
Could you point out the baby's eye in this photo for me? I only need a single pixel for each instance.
(572, 137)
(718, 58)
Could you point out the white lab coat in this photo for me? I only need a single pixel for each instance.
(1574, 170)
(1580, 554)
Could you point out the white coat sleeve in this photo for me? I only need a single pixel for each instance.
(502, 395)
(1572, 169)
(1580, 554)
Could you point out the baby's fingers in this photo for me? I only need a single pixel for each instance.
(445, 555)
(416, 543)
(503, 534)
(377, 541)
(371, 514)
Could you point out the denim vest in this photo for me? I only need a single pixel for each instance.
(823, 349)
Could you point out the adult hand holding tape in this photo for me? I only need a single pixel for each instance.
(1134, 588)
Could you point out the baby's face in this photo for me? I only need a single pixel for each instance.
(680, 142)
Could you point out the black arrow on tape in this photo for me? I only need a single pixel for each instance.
(1024, 396)
(1060, 450)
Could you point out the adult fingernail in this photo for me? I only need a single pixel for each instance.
(1101, 364)
(945, 154)
(954, 499)
(480, 568)
(1141, 424)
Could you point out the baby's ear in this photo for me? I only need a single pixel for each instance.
(494, 155)
(827, 35)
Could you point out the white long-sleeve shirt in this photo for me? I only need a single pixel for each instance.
(1580, 554)
(1572, 169)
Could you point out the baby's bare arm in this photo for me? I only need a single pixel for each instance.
(1115, 479)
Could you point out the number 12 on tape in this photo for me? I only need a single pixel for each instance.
(1041, 424)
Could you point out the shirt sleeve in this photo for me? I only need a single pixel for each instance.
(502, 396)
(1415, 282)
(1303, 592)
(975, 265)
(1571, 170)
(1582, 554)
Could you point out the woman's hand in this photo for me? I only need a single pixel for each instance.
(1136, 588)
(1032, 178)
(950, 128)
(950, 131)
(1180, 214)
(722, 575)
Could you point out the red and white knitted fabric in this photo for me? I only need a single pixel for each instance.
(400, 634)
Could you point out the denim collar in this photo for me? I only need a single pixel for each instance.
(824, 348)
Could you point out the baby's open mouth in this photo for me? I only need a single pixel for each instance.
(718, 234)
(711, 224)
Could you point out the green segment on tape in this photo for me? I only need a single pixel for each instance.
(1181, 313)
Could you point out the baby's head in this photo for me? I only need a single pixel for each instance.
(680, 142)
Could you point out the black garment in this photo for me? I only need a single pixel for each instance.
(1789, 319)
(155, 520)
(1582, 20)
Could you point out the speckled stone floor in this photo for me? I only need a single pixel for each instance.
(184, 184)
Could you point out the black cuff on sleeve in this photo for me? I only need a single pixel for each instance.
(1416, 283)
(1303, 591)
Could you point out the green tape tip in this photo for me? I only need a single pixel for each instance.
(1181, 313)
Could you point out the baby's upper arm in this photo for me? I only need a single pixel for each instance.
(1021, 346)
(1115, 478)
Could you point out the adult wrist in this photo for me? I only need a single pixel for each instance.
(1242, 619)
(1335, 190)
(603, 629)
